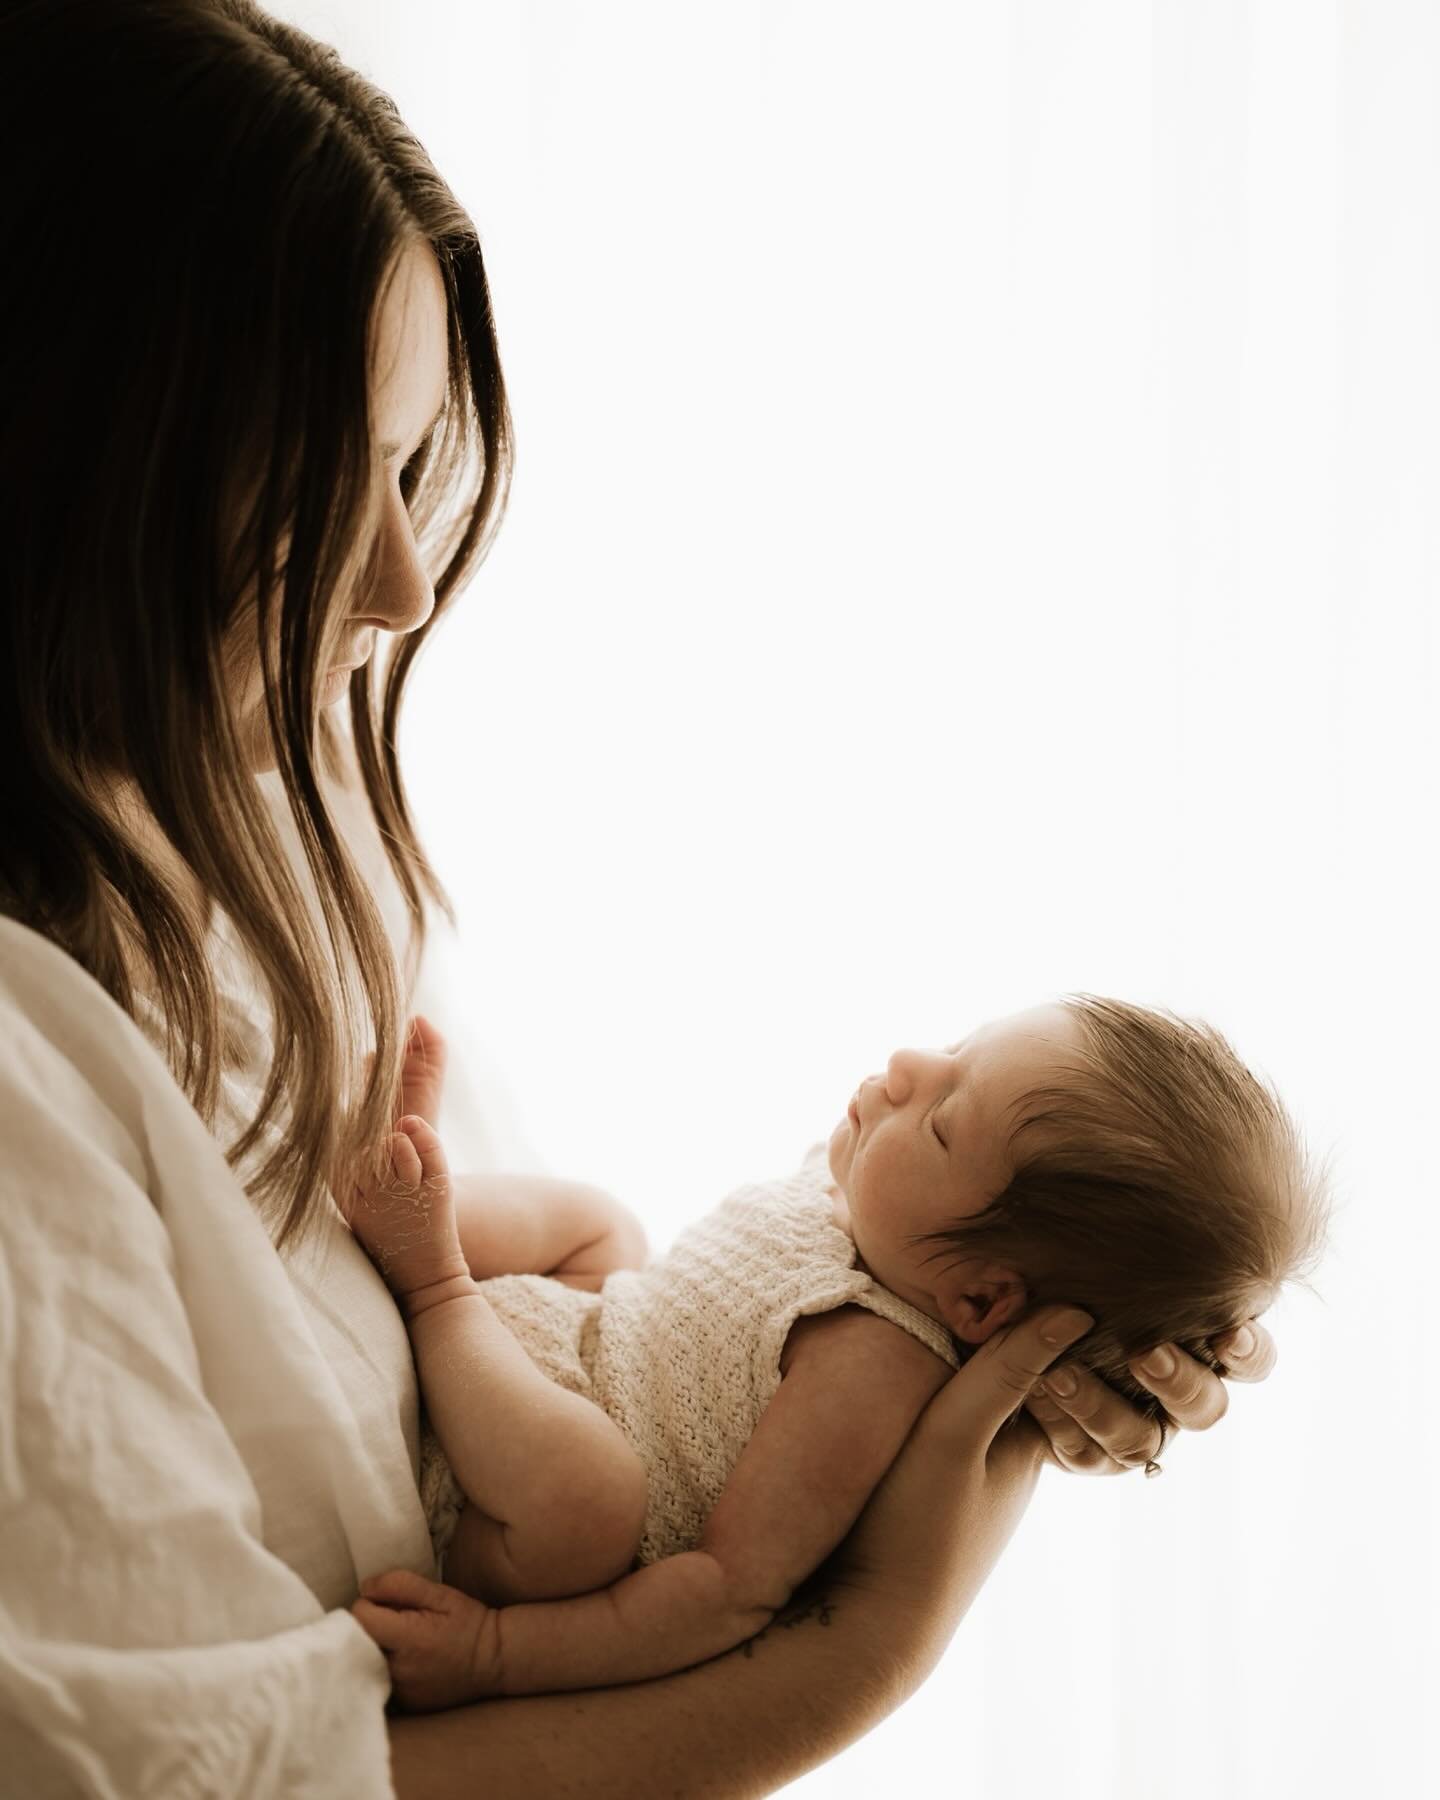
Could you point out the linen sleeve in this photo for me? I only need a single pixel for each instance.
(150, 1643)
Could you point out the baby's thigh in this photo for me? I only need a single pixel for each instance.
(480, 1562)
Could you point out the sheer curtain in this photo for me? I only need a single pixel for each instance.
(973, 538)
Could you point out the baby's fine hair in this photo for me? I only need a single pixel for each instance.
(1157, 1183)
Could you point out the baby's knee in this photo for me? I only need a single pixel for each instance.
(581, 1535)
(602, 1518)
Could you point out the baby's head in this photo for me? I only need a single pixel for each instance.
(1088, 1151)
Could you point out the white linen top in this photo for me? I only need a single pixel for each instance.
(204, 1447)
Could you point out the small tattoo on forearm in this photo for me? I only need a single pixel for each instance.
(802, 1606)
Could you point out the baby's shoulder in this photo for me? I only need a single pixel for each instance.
(856, 1345)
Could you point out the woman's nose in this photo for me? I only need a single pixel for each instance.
(400, 598)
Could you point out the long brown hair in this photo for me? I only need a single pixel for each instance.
(1157, 1183)
(202, 211)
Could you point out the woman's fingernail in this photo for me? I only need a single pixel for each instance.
(1159, 1363)
(1242, 1343)
(1061, 1382)
(1065, 1327)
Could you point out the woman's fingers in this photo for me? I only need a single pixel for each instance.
(1071, 1445)
(1195, 1396)
(997, 1379)
(1246, 1361)
(1093, 1430)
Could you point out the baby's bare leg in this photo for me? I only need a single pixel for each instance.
(479, 1561)
(559, 1495)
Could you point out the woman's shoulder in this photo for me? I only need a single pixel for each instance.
(59, 1028)
(95, 1123)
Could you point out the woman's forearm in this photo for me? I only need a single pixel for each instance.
(852, 1644)
(858, 1639)
(832, 1665)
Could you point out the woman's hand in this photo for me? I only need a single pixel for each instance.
(932, 1531)
(1095, 1431)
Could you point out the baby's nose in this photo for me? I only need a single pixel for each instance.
(900, 1074)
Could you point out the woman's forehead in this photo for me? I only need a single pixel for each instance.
(412, 349)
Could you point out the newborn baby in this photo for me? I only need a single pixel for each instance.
(702, 1433)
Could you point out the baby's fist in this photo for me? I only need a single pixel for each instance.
(442, 1646)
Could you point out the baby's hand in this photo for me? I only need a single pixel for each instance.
(442, 1646)
(422, 1074)
(402, 1209)
(422, 1080)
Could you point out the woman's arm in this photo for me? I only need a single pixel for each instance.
(855, 1642)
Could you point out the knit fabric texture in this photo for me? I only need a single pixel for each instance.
(685, 1356)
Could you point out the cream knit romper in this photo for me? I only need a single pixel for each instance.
(685, 1356)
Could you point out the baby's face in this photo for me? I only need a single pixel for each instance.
(925, 1143)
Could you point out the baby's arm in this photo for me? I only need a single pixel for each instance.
(560, 1493)
(540, 1225)
(852, 1388)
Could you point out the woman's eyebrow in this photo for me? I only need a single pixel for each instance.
(394, 449)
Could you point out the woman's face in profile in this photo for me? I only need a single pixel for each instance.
(409, 383)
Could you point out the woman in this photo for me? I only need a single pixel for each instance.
(240, 296)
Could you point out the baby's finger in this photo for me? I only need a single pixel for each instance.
(426, 1142)
(404, 1161)
(424, 1036)
(401, 1587)
(390, 1629)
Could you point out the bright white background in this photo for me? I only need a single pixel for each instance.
(973, 537)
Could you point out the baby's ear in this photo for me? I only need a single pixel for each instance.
(977, 1298)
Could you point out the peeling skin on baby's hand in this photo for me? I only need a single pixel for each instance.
(406, 1221)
